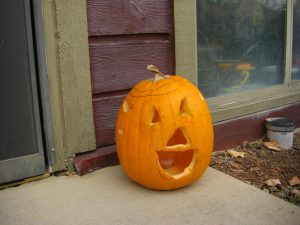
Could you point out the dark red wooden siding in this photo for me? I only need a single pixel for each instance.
(107, 17)
(124, 37)
(120, 64)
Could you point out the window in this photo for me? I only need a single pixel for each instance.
(243, 55)
(241, 45)
(296, 41)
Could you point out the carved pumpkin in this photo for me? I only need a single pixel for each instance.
(164, 132)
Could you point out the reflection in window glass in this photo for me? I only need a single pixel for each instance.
(296, 41)
(241, 45)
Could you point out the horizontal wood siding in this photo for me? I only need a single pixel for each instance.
(107, 17)
(124, 37)
(120, 65)
(105, 111)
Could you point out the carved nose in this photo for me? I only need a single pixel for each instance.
(177, 138)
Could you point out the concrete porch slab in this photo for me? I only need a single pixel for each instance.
(107, 197)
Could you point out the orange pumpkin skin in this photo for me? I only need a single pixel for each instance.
(164, 133)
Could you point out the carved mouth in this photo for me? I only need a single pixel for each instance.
(175, 163)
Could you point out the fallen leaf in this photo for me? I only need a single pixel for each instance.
(294, 181)
(296, 192)
(273, 182)
(259, 173)
(236, 171)
(273, 145)
(253, 169)
(218, 161)
(274, 172)
(235, 154)
(252, 153)
(235, 165)
(238, 160)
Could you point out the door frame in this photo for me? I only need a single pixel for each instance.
(35, 164)
(48, 136)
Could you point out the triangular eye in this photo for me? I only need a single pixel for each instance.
(184, 108)
(154, 116)
(125, 106)
(177, 138)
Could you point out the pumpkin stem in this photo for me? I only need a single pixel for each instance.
(158, 75)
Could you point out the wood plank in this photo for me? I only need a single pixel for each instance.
(186, 39)
(67, 56)
(120, 65)
(105, 114)
(100, 158)
(108, 17)
(75, 75)
(54, 84)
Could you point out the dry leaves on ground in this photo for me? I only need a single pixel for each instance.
(272, 146)
(273, 182)
(236, 154)
(294, 181)
(271, 170)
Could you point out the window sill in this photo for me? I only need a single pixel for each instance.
(244, 103)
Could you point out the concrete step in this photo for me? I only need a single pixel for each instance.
(107, 196)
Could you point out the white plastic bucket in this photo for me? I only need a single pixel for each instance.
(281, 130)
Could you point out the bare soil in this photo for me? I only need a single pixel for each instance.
(261, 164)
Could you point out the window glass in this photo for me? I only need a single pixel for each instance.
(241, 45)
(296, 41)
